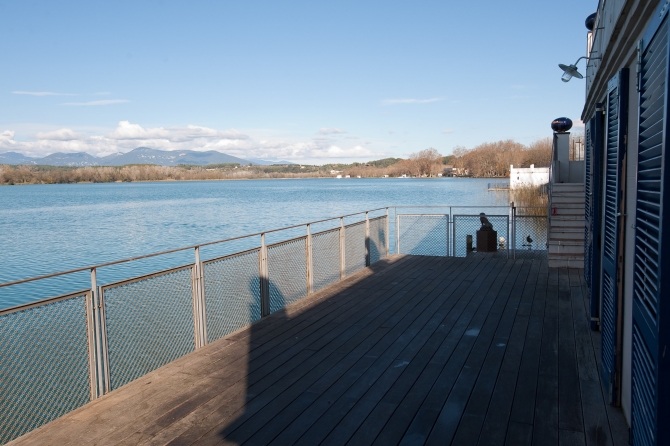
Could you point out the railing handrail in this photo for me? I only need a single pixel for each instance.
(170, 251)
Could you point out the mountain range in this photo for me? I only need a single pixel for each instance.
(140, 155)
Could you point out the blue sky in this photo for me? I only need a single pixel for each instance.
(310, 82)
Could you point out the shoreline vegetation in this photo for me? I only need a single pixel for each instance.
(490, 160)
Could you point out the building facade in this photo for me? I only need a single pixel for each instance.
(528, 177)
(626, 210)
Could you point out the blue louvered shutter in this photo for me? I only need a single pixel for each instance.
(617, 118)
(651, 278)
(597, 139)
(588, 188)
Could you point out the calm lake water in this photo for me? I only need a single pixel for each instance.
(50, 228)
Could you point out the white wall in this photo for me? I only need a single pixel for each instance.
(533, 176)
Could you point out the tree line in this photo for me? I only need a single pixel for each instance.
(494, 159)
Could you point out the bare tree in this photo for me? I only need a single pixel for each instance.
(425, 162)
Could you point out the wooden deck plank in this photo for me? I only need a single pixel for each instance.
(497, 416)
(409, 402)
(545, 426)
(416, 350)
(430, 410)
(596, 426)
(266, 425)
(569, 400)
(483, 367)
(324, 423)
(346, 428)
(370, 428)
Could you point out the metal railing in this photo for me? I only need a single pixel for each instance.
(58, 353)
(498, 186)
(521, 232)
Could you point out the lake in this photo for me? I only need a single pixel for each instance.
(50, 228)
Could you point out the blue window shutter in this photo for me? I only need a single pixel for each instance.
(617, 119)
(651, 274)
(588, 190)
(598, 137)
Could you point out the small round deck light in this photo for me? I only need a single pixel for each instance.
(591, 21)
(561, 125)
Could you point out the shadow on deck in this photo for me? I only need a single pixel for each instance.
(414, 350)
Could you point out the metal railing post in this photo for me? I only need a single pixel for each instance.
(451, 246)
(199, 311)
(308, 260)
(397, 232)
(342, 250)
(367, 239)
(103, 360)
(94, 353)
(386, 234)
(453, 236)
(511, 244)
(264, 278)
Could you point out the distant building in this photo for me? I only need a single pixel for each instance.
(460, 172)
(528, 177)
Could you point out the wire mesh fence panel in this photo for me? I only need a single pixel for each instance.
(287, 269)
(465, 229)
(232, 293)
(149, 323)
(325, 258)
(354, 247)
(377, 239)
(44, 364)
(424, 234)
(531, 236)
(36, 291)
(218, 250)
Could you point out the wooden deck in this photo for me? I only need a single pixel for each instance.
(415, 350)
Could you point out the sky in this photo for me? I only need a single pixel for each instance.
(310, 82)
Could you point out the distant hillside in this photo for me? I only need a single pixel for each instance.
(260, 162)
(78, 159)
(140, 155)
(145, 155)
(14, 158)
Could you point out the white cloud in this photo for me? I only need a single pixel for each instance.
(331, 131)
(128, 136)
(101, 102)
(42, 93)
(578, 124)
(410, 101)
(101, 93)
(448, 131)
(128, 131)
(59, 135)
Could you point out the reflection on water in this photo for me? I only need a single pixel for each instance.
(49, 228)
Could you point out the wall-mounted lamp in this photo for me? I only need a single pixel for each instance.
(570, 71)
